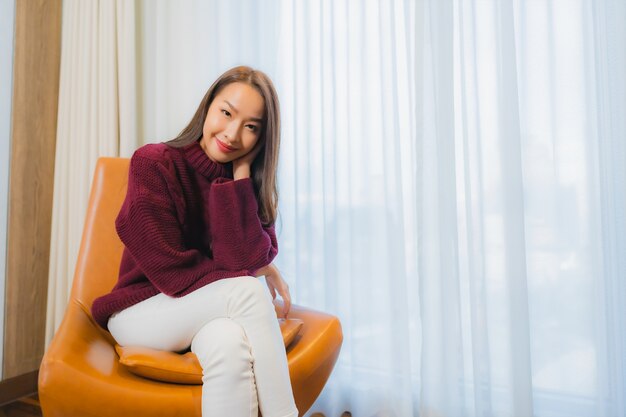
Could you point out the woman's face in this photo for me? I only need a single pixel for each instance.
(233, 123)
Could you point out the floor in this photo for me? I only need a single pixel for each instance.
(25, 407)
(29, 407)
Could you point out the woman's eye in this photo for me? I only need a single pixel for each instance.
(226, 113)
(252, 128)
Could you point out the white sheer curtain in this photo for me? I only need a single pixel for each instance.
(452, 187)
(97, 117)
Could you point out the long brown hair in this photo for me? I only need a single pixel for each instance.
(265, 165)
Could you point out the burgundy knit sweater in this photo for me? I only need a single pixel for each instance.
(185, 223)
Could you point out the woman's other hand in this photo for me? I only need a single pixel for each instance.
(241, 166)
(276, 284)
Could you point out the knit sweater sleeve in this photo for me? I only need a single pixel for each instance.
(239, 240)
(149, 227)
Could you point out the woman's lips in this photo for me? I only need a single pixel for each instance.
(223, 147)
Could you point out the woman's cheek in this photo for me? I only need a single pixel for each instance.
(212, 124)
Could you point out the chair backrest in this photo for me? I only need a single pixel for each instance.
(100, 253)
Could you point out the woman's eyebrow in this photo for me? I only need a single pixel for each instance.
(255, 119)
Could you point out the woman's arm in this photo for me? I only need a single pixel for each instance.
(149, 227)
(239, 241)
(238, 238)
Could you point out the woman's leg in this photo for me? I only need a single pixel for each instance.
(250, 305)
(168, 323)
(228, 385)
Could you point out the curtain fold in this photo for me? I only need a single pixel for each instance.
(96, 117)
(605, 43)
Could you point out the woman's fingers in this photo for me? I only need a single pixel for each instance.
(286, 305)
(284, 294)
(276, 283)
(248, 158)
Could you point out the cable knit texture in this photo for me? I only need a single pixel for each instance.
(185, 223)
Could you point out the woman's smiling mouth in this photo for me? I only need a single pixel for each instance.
(224, 147)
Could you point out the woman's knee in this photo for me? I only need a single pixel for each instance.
(221, 342)
(252, 292)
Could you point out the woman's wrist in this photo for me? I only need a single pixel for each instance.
(265, 270)
(241, 171)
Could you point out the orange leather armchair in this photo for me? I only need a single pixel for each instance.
(80, 374)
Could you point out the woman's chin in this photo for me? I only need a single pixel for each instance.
(220, 159)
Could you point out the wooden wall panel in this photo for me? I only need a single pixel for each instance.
(33, 140)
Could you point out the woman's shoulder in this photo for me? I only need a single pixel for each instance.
(158, 152)
(155, 159)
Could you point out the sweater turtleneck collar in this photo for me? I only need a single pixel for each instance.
(201, 162)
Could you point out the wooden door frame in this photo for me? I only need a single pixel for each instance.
(36, 68)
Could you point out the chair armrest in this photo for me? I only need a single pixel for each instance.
(81, 342)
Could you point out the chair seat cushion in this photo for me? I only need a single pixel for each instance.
(181, 368)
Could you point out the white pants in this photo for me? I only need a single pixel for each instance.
(232, 328)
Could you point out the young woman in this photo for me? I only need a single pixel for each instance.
(198, 228)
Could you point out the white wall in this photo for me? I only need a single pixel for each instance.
(7, 29)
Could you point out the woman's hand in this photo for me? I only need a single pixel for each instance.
(241, 165)
(276, 283)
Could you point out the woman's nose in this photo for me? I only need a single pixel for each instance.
(232, 132)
